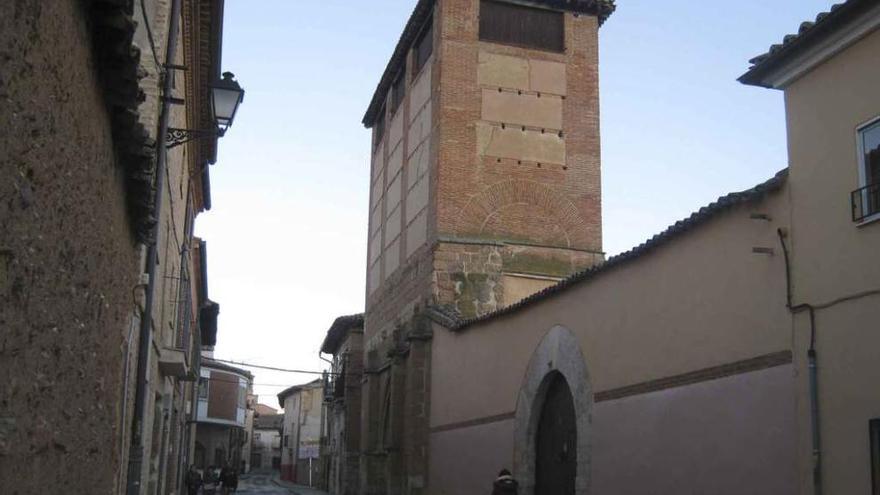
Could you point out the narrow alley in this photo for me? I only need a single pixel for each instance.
(270, 484)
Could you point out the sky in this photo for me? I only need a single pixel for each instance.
(288, 228)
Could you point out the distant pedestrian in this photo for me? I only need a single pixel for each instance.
(505, 484)
(226, 479)
(233, 479)
(193, 481)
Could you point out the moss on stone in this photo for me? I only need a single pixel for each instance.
(470, 289)
(536, 265)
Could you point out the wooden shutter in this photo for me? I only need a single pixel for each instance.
(519, 25)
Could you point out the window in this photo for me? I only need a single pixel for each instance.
(424, 46)
(866, 199)
(398, 91)
(385, 433)
(242, 396)
(256, 435)
(518, 25)
(874, 429)
(203, 388)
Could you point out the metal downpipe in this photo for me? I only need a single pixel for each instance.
(136, 452)
(813, 371)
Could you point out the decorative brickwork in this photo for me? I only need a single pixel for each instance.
(485, 188)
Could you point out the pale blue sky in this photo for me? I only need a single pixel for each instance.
(287, 234)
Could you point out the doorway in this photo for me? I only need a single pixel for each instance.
(556, 441)
(552, 426)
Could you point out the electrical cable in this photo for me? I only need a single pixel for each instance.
(272, 368)
(253, 384)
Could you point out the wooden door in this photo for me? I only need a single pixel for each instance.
(556, 442)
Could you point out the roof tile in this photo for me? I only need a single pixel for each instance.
(449, 318)
(807, 31)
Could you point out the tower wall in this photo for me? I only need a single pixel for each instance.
(485, 188)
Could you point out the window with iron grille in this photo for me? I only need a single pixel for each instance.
(866, 199)
(528, 27)
(398, 91)
(424, 46)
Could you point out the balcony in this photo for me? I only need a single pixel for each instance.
(866, 202)
(175, 362)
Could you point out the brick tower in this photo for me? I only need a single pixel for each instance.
(485, 188)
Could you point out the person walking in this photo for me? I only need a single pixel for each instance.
(193, 480)
(505, 484)
(233, 479)
(226, 479)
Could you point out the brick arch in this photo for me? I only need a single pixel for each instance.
(523, 209)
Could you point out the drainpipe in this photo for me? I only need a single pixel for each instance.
(813, 371)
(136, 453)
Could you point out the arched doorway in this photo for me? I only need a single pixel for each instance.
(556, 441)
(552, 427)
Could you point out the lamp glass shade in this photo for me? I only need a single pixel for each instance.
(226, 95)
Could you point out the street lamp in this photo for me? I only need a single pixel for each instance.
(226, 96)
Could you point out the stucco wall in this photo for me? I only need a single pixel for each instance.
(823, 110)
(68, 260)
(700, 301)
(832, 258)
(738, 428)
(470, 458)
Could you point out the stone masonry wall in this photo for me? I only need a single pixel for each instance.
(68, 260)
(475, 278)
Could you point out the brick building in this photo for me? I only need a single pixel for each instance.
(485, 188)
(94, 192)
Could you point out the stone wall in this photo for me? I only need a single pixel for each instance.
(478, 278)
(70, 260)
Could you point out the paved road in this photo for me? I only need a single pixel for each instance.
(263, 484)
(269, 484)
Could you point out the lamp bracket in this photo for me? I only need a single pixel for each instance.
(176, 136)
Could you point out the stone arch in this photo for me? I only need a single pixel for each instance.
(558, 352)
(551, 211)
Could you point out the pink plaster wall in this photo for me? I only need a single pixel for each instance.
(471, 458)
(679, 441)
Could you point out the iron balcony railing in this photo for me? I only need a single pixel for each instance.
(866, 202)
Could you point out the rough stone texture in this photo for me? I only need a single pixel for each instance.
(470, 276)
(70, 255)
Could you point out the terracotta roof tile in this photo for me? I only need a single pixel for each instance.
(337, 332)
(807, 32)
